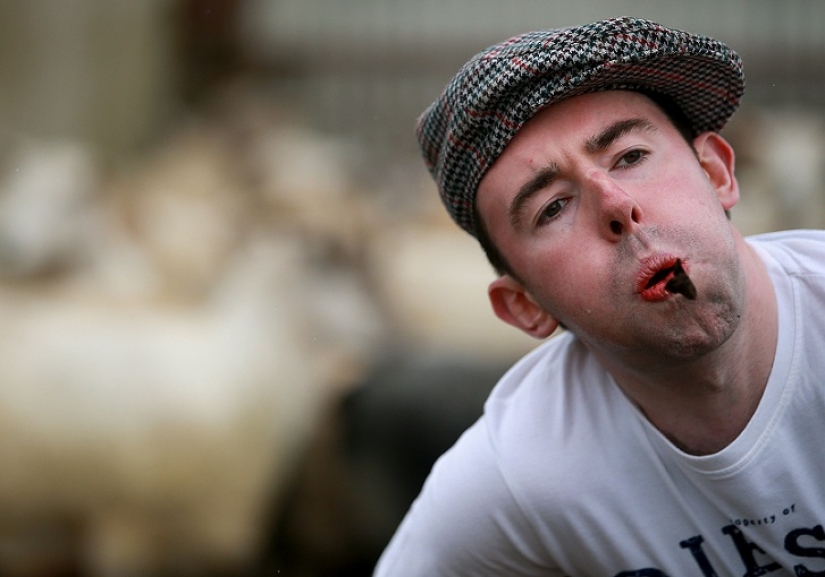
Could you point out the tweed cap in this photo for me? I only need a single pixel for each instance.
(463, 132)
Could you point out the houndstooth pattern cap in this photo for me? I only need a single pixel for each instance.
(463, 132)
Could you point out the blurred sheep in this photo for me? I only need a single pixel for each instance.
(46, 193)
(158, 387)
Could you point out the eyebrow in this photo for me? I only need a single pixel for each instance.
(542, 179)
(548, 174)
(615, 131)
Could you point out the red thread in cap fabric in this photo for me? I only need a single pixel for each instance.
(463, 132)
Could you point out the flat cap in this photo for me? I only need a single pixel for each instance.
(494, 94)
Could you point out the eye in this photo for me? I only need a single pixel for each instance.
(552, 210)
(631, 158)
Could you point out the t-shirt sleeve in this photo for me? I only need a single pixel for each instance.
(465, 522)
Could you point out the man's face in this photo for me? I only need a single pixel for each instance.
(592, 203)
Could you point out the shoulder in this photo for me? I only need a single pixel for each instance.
(799, 252)
(465, 521)
(556, 397)
(470, 517)
(556, 405)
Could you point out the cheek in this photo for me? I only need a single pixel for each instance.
(567, 284)
(693, 191)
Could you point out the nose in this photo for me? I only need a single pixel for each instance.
(617, 212)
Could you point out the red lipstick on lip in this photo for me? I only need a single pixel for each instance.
(661, 277)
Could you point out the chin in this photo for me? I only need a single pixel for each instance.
(697, 338)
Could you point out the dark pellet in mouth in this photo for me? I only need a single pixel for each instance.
(680, 282)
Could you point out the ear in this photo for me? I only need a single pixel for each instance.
(515, 306)
(718, 161)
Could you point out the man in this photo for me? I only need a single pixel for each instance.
(676, 427)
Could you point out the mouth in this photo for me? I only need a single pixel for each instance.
(662, 279)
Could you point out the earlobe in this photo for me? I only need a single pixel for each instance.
(515, 306)
(717, 159)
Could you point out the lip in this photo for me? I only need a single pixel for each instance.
(649, 287)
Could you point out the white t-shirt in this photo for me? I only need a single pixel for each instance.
(564, 476)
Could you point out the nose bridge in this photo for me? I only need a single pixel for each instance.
(607, 189)
(617, 210)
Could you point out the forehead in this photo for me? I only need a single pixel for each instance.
(570, 124)
(579, 116)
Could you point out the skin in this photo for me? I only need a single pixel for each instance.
(589, 200)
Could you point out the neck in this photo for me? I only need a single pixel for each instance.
(702, 405)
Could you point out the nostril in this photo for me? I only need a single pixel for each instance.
(616, 227)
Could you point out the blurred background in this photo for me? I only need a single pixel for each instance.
(236, 326)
